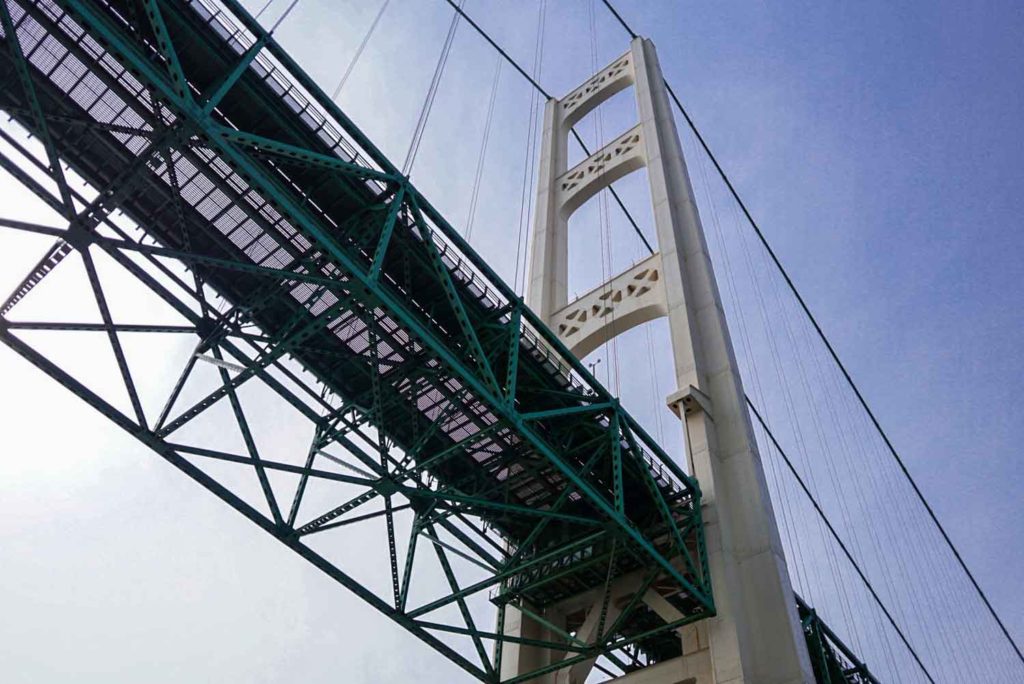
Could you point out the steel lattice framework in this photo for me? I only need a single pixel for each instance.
(300, 260)
(432, 392)
(832, 660)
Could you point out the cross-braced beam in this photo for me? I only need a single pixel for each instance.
(308, 272)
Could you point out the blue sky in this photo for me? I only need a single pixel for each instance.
(886, 171)
(878, 144)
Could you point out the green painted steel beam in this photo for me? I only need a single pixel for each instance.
(504, 574)
(322, 99)
(22, 68)
(233, 77)
(470, 500)
(387, 232)
(307, 156)
(467, 617)
(166, 49)
(463, 344)
(566, 412)
(495, 636)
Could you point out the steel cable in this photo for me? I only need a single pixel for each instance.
(576, 136)
(359, 50)
(791, 286)
(831, 350)
(263, 9)
(428, 101)
(526, 197)
(839, 541)
(611, 347)
(474, 198)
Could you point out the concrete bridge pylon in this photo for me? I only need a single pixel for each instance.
(756, 637)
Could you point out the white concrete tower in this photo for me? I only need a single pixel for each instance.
(755, 637)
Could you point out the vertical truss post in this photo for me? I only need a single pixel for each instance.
(514, 342)
(616, 442)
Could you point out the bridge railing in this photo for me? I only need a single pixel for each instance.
(235, 26)
(285, 264)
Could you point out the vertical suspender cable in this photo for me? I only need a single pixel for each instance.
(428, 101)
(611, 348)
(284, 15)
(526, 198)
(359, 50)
(239, 29)
(471, 217)
(835, 357)
(575, 134)
(263, 9)
(839, 541)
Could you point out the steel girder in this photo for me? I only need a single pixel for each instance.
(431, 391)
(832, 660)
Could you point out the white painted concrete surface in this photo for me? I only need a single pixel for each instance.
(756, 637)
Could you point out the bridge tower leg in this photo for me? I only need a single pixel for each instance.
(755, 637)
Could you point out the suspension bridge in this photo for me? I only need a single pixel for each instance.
(530, 527)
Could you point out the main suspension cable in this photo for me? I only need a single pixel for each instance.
(849, 380)
(576, 136)
(838, 539)
(831, 350)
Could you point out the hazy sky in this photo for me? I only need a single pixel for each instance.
(877, 143)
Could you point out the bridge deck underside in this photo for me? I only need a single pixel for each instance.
(446, 389)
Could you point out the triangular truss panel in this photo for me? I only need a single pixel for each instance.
(311, 283)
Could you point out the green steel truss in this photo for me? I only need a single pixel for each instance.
(832, 660)
(300, 260)
(442, 412)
